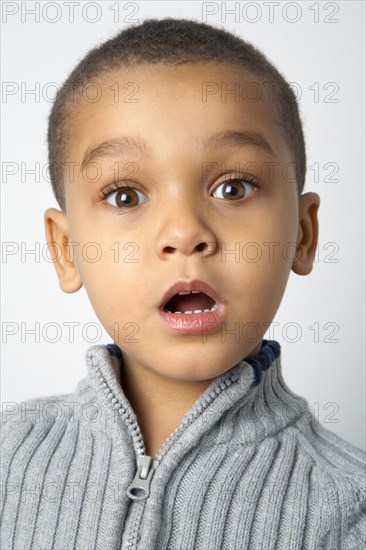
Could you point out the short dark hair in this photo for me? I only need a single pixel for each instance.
(169, 41)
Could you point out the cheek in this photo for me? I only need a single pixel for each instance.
(279, 221)
(269, 240)
(267, 254)
(105, 286)
(113, 283)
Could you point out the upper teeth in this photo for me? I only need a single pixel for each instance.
(188, 292)
(214, 308)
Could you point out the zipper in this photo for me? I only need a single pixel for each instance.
(140, 486)
(139, 489)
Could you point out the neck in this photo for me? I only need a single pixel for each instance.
(160, 403)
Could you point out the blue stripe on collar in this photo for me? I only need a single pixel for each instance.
(115, 350)
(269, 351)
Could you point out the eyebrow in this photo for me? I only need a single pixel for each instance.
(239, 138)
(128, 145)
(115, 147)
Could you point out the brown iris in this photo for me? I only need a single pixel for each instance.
(233, 192)
(123, 197)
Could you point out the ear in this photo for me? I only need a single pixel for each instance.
(307, 237)
(57, 235)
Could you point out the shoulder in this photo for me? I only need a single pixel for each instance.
(329, 452)
(37, 410)
(27, 427)
(338, 469)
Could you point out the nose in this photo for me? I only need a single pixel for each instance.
(185, 229)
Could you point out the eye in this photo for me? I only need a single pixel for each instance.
(235, 189)
(123, 197)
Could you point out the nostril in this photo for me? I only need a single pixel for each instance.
(199, 247)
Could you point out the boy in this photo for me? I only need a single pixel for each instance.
(184, 434)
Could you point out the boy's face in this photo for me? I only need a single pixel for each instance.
(141, 249)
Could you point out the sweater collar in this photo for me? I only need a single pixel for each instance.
(253, 390)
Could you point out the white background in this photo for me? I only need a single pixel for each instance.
(330, 375)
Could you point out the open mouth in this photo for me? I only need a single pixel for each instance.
(189, 303)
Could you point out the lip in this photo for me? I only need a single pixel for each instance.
(195, 323)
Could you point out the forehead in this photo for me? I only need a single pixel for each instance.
(173, 108)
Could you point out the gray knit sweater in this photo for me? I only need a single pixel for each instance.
(248, 468)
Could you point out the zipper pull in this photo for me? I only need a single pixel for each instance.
(140, 487)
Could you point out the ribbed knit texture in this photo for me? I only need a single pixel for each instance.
(249, 468)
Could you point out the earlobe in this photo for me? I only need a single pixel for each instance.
(308, 231)
(57, 236)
